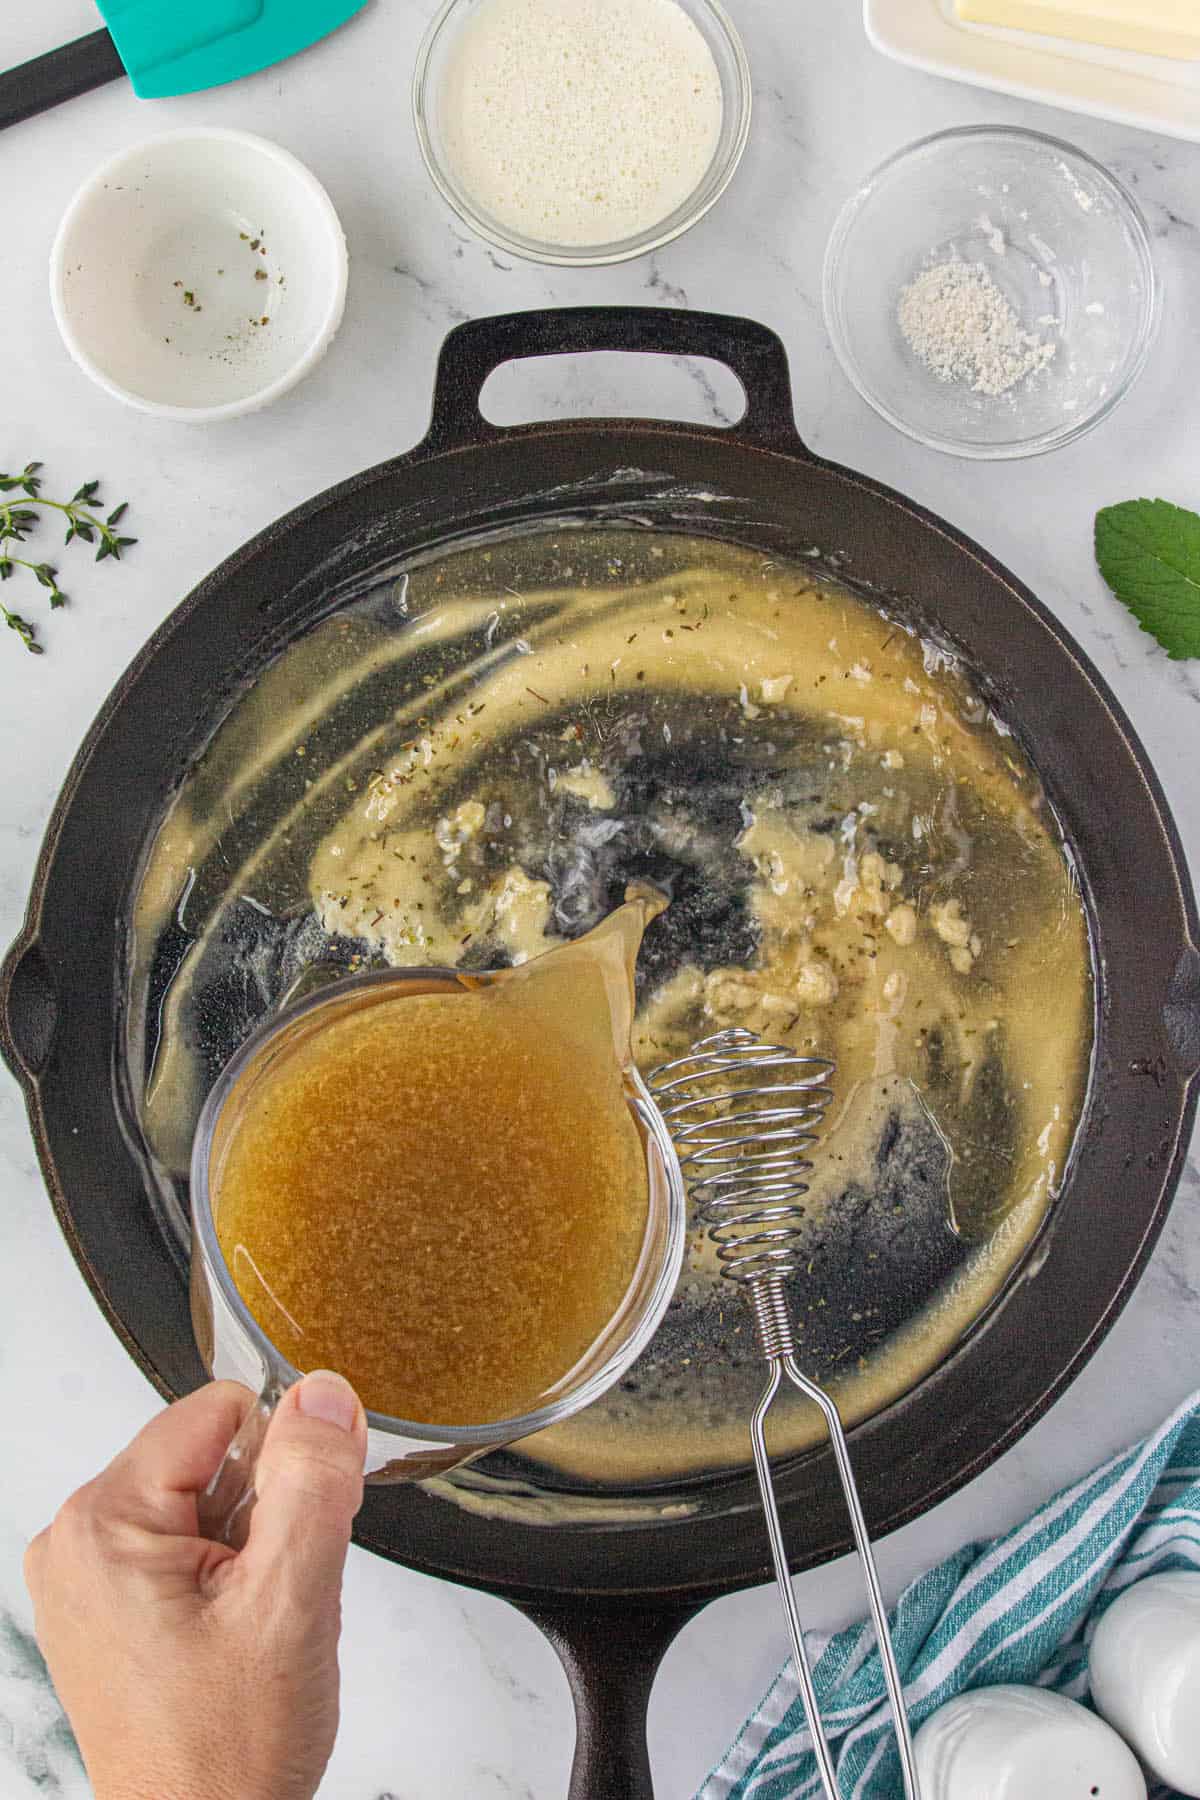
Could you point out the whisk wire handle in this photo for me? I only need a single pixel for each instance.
(743, 1147)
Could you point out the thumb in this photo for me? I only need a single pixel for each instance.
(309, 1483)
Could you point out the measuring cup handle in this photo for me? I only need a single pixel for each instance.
(224, 1508)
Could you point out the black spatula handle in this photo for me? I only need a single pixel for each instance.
(60, 75)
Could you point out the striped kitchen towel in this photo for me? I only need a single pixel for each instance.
(1021, 1608)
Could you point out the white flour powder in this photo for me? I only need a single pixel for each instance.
(957, 321)
(580, 121)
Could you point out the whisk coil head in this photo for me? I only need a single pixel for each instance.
(743, 1116)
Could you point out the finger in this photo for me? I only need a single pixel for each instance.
(34, 1563)
(309, 1483)
(154, 1481)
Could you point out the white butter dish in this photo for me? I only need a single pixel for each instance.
(1153, 93)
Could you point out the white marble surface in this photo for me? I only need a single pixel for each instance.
(447, 1692)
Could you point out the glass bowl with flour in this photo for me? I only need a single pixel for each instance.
(991, 291)
(581, 131)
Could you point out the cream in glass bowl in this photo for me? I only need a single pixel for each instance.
(581, 131)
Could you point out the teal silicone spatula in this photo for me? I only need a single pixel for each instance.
(168, 48)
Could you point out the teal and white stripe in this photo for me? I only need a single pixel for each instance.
(1021, 1608)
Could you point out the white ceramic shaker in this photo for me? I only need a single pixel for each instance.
(1023, 1743)
(1145, 1670)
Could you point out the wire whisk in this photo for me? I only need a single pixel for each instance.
(743, 1116)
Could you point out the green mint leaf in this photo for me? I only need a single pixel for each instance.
(1149, 554)
(116, 513)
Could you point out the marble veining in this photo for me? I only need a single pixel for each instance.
(448, 1692)
(432, 300)
(35, 1739)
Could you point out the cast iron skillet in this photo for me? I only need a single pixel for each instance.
(612, 1598)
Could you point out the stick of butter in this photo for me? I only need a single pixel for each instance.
(1156, 27)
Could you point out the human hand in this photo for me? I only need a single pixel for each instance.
(191, 1671)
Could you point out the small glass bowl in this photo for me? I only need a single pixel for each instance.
(718, 32)
(1059, 236)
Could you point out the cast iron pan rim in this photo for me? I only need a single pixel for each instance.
(673, 434)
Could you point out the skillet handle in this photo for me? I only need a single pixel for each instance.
(611, 1655)
(753, 353)
(28, 1010)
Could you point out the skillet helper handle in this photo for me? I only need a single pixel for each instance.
(1182, 1014)
(473, 350)
(225, 1507)
(611, 1655)
(62, 74)
(29, 1010)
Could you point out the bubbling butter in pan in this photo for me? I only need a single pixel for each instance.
(860, 862)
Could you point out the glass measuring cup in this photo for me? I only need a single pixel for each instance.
(233, 1345)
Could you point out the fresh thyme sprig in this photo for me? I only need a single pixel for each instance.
(19, 517)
